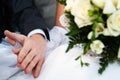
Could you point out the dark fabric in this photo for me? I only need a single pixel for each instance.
(47, 8)
(21, 15)
(7, 15)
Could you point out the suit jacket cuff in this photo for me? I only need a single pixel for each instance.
(37, 31)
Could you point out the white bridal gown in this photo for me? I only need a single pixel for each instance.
(58, 64)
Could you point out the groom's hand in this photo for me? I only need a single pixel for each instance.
(31, 55)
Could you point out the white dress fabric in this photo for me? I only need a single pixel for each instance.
(58, 64)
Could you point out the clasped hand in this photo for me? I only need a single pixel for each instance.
(31, 56)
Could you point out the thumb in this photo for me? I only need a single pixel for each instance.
(15, 37)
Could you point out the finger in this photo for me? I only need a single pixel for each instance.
(28, 60)
(17, 37)
(38, 68)
(11, 41)
(16, 51)
(32, 64)
(24, 51)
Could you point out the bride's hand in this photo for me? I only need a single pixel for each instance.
(31, 55)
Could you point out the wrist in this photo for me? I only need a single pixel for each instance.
(38, 36)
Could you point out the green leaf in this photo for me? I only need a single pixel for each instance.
(86, 64)
(62, 2)
(81, 63)
(77, 58)
(86, 47)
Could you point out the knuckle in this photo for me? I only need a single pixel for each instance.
(32, 63)
(31, 66)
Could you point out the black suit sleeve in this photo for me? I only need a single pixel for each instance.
(29, 17)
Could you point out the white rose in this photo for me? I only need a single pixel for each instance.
(90, 35)
(106, 32)
(80, 11)
(99, 3)
(81, 23)
(69, 4)
(113, 24)
(97, 46)
(116, 3)
(98, 30)
(109, 7)
(119, 53)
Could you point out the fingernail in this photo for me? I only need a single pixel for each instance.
(35, 75)
(26, 72)
(18, 65)
(19, 60)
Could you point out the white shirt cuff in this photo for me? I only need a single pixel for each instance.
(37, 31)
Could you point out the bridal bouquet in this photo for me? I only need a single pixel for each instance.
(96, 25)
